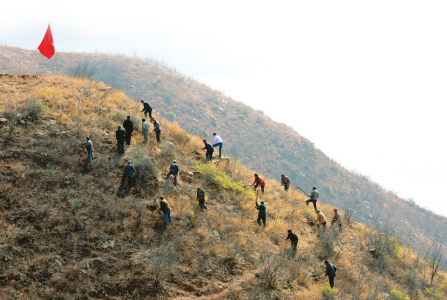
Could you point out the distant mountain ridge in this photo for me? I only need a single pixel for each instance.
(269, 147)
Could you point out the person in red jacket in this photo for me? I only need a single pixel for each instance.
(259, 182)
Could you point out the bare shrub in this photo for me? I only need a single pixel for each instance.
(272, 266)
(162, 261)
(33, 109)
(82, 71)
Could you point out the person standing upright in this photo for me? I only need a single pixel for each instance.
(201, 198)
(313, 198)
(262, 214)
(89, 147)
(120, 138)
(209, 150)
(145, 129)
(147, 109)
(128, 126)
(217, 141)
(259, 182)
(337, 220)
(157, 129)
(330, 272)
(285, 181)
(173, 170)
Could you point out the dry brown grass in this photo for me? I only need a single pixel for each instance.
(66, 232)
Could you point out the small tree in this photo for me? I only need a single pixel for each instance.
(433, 255)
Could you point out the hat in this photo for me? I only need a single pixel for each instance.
(262, 202)
(174, 161)
(290, 230)
(161, 197)
(317, 210)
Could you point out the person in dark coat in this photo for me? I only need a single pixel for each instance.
(293, 241)
(157, 129)
(129, 169)
(120, 138)
(330, 272)
(147, 109)
(128, 126)
(262, 213)
(209, 150)
(173, 170)
(201, 198)
(89, 147)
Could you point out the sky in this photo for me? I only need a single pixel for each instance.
(364, 80)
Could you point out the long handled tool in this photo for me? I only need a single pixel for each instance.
(303, 191)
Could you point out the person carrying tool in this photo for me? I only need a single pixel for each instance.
(262, 213)
(285, 181)
(173, 170)
(145, 128)
(217, 141)
(147, 109)
(330, 272)
(120, 138)
(201, 198)
(157, 129)
(129, 169)
(337, 220)
(293, 241)
(89, 147)
(321, 219)
(128, 126)
(313, 198)
(258, 182)
(166, 209)
(209, 150)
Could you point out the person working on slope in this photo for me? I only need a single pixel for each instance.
(330, 272)
(201, 198)
(89, 147)
(157, 129)
(262, 212)
(313, 198)
(293, 241)
(337, 220)
(120, 139)
(166, 209)
(129, 169)
(147, 109)
(285, 181)
(209, 150)
(259, 182)
(173, 170)
(321, 219)
(145, 128)
(128, 126)
(217, 141)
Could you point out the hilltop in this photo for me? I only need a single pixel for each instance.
(73, 232)
(268, 147)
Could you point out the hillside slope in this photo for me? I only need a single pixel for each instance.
(269, 147)
(69, 231)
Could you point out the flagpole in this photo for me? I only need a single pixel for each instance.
(54, 64)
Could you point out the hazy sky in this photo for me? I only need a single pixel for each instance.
(364, 80)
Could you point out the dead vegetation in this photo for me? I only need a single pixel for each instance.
(73, 232)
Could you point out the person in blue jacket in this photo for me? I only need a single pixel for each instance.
(129, 169)
(173, 170)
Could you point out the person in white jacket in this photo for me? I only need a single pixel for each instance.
(145, 128)
(217, 141)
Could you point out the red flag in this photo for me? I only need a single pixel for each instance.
(46, 47)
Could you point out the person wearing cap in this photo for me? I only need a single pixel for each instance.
(209, 150)
(293, 241)
(201, 198)
(259, 182)
(173, 170)
(129, 169)
(217, 141)
(262, 212)
(166, 209)
(120, 139)
(89, 147)
(157, 129)
(285, 181)
(146, 109)
(313, 198)
(321, 219)
(145, 128)
(337, 219)
(128, 126)
(330, 272)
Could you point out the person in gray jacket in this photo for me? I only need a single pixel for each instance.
(337, 219)
(157, 129)
(313, 198)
